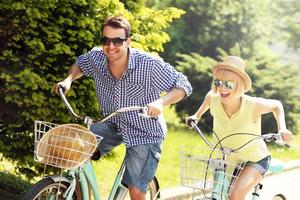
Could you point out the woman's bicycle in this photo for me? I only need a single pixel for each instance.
(213, 171)
(70, 148)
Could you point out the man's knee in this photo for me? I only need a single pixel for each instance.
(136, 194)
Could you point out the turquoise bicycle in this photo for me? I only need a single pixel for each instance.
(213, 171)
(70, 148)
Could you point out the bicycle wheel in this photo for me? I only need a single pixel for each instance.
(48, 189)
(153, 190)
(279, 197)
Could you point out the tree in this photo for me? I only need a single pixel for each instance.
(288, 23)
(39, 41)
(208, 25)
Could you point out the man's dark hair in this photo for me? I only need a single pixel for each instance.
(118, 22)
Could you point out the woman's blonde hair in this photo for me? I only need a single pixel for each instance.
(226, 75)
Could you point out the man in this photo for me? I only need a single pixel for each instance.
(124, 77)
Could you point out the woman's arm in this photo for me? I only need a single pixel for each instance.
(264, 106)
(202, 109)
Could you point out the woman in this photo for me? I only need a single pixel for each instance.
(235, 112)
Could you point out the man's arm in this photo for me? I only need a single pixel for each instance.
(74, 73)
(173, 96)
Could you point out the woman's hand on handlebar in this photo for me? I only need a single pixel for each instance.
(286, 135)
(190, 119)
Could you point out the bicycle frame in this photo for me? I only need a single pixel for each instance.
(88, 179)
(220, 186)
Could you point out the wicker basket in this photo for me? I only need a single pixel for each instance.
(209, 173)
(64, 146)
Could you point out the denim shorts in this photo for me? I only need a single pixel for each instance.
(262, 165)
(141, 161)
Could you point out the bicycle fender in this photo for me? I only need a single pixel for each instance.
(157, 186)
(60, 178)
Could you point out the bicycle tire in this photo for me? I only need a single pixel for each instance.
(46, 187)
(153, 190)
(279, 197)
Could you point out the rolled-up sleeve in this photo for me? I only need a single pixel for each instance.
(84, 64)
(165, 77)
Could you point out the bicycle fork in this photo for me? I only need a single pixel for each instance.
(257, 189)
(221, 186)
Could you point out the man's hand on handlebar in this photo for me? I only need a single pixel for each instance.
(155, 108)
(65, 84)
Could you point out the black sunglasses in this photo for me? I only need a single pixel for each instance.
(116, 41)
(228, 84)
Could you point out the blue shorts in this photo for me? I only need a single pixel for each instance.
(262, 165)
(141, 161)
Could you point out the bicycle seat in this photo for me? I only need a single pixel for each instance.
(96, 155)
(276, 165)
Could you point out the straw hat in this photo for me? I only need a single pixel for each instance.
(66, 146)
(236, 65)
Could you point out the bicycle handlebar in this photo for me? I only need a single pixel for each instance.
(63, 97)
(270, 137)
(193, 124)
(142, 112)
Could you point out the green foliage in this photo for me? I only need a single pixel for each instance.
(279, 82)
(12, 183)
(198, 69)
(208, 25)
(149, 23)
(39, 40)
(289, 27)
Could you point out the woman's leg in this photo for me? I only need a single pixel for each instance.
(247, 180)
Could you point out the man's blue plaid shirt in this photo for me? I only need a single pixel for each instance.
(145, 79)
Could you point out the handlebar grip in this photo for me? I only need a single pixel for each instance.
(190, 121)
(143, 112)
(277, 138)
(61, 89)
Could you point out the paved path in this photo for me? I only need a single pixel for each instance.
(287, 183)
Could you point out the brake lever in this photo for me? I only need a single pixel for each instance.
(191, 122)
(278, 140)
(282, 143)
(144, 113)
